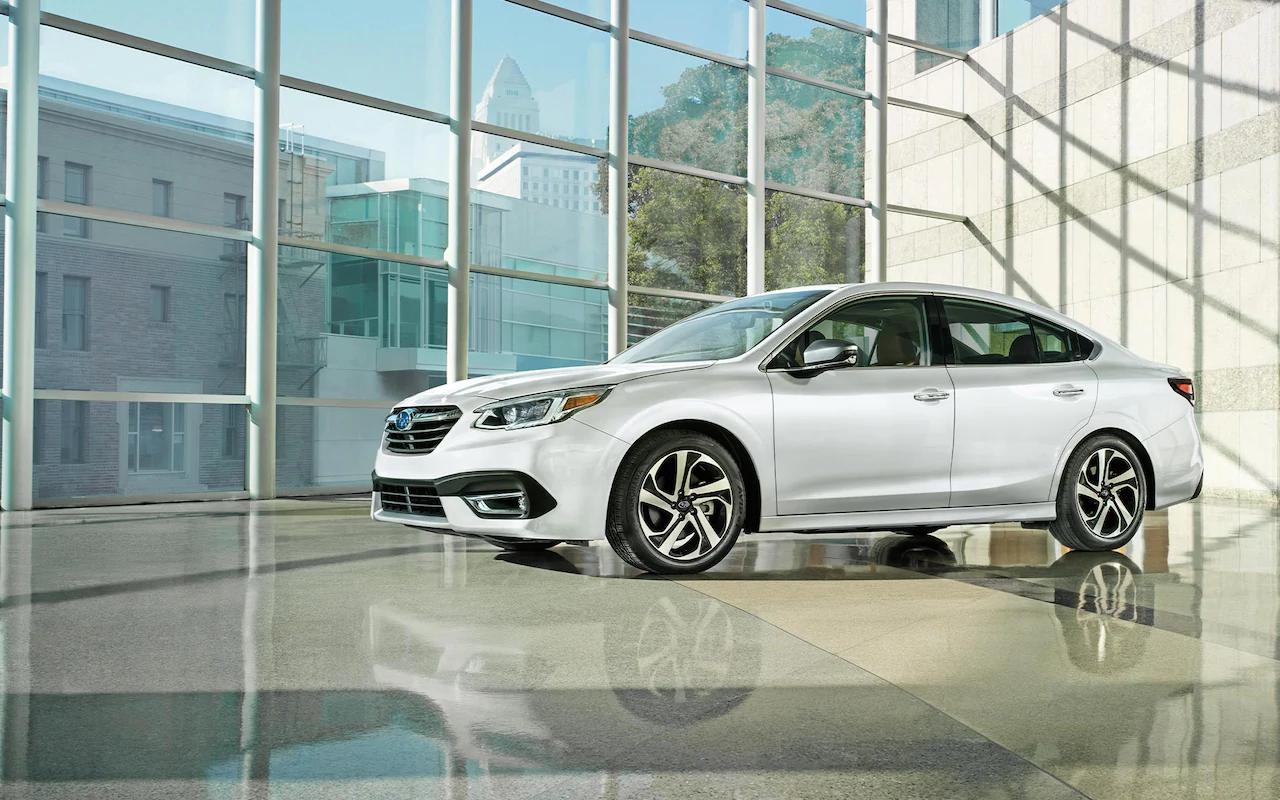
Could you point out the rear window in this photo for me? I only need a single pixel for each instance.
(986, 333)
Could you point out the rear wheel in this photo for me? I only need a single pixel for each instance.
(1102, 496)
(678, 504)
(520, 545)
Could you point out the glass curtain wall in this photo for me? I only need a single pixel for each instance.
(146, 163)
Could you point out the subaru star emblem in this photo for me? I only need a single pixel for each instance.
(403, 420)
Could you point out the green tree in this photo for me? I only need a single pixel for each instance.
(690, 233)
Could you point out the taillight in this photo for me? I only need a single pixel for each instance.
(1184, 387)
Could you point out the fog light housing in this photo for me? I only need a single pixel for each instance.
(512, 504)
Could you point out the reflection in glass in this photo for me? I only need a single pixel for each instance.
(538, 73)
(814, 138)
(687, 110)
(646, 315)
(948, 23)
(527, 324)
(686, 233)
(1012, 13)
(810, 242)
(394, 49)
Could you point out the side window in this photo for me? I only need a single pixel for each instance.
(889, 332)
(1059, 344)
(983, 333)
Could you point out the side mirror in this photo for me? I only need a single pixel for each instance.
(826, 354)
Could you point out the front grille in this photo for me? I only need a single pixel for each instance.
(418, 499)
(427, 428)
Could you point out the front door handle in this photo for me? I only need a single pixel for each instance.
(1068, 391)
(925, 395)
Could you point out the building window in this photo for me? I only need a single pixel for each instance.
(160, 304)
(556, 203)
(233, 431)
(74, 424)
(78, 192)
(42, 297)
(524, 171)
(233, 216)
(524, 186)
(42, 189)
(157, 437)
(535, 186)
(555, 188)
(546, 173)
(75, 313)
(161, 198)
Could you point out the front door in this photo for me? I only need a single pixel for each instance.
(1022, 390)
(872, 437)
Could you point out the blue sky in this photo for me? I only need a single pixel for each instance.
(401, 52)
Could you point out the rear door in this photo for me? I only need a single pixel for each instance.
(1022, 390)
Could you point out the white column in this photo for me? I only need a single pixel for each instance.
(458, 251)
(755, 146)
(986, 21)
(260, 337)
(619, 50)
(20, 255)
(877, 173)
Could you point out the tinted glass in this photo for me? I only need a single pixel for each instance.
(1058, 343)
(718, 25)
(983, 333)
(223, 29)
(814, 137)
(889, 332)
(815, 50)
(647, 315)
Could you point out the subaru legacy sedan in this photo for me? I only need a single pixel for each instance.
(901, 407)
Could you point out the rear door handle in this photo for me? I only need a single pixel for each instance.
(925, 395)
(1068, 391)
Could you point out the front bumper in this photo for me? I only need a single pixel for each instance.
(566, 470)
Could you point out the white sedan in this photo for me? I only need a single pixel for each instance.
(886, 406)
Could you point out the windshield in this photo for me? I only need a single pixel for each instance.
(726, 331)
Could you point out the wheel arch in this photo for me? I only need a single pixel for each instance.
(1148, 469)
(750, 476)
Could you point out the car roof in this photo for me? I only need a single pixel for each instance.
(840, 291)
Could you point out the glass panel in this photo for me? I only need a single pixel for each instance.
(109, 129)
(102, 288)
(355, 175)
(1012, 13)
(328, 446)
(717, 25)
(394, 49)
(815, 50)
(686, 233)
(99, 448)
(520, 324)
(854, 11)
(889, 332)
(948, 23)
(540, 209)
(647, 315)
(538, 73)
(814, 137)
(810, 242)
(687, 110)
(223, 29)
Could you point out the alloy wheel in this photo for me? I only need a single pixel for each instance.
(1107, 493)
(686, 505)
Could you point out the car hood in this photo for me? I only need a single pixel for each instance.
(519, 384)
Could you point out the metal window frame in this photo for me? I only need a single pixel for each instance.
(265, 240)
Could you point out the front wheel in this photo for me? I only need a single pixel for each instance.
(1102, 496)
(677, 505)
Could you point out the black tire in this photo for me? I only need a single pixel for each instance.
(520, 545)
(725, 511)
(1076, 526)
(917, 530)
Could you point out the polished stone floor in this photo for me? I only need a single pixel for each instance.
(296, 649)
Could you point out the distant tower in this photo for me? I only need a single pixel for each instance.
(507, 101)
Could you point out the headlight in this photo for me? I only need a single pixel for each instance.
(537, 409)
